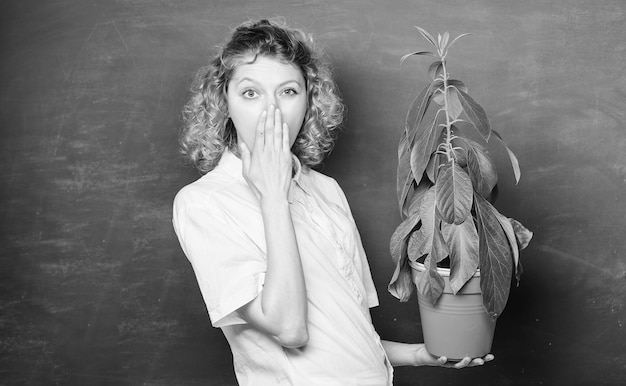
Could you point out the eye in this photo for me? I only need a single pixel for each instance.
(249, 94)
(290, 91)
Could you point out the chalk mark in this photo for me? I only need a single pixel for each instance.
(82, 48)
(580, 260)
(120, 35)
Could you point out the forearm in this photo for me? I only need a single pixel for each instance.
(401, 354)
(284, 301)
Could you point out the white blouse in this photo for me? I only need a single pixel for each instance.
(219, 225)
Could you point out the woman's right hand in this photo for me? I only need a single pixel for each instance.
(267, 167)
(280, 310)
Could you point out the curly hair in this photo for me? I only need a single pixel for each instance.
(207, 130)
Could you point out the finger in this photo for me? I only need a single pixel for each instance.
(259, 139)
(245, 157)
(489, 357)
(286, 147)
(269, 126)
(278, 129)
(463, 363)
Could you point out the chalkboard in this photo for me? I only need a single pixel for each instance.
(94, 288)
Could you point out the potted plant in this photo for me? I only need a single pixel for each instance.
(452, 243)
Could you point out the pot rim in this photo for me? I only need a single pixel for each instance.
(442, 271)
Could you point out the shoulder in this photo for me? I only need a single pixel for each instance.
(319, 178)
(324, 185)
(214, 189)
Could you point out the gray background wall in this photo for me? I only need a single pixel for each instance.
(94, 289)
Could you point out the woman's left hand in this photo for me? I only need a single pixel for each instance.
(423, 358)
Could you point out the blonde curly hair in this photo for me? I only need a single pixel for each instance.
(207, 130)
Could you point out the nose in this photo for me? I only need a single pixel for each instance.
(272, 100)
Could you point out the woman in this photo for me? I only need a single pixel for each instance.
(272, 242)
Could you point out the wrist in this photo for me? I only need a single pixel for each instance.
(273, 204)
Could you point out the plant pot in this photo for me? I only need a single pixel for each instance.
(458, 325)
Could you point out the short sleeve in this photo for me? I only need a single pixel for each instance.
(365, 272)
(228, 263)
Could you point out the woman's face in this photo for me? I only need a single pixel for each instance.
(255, 86)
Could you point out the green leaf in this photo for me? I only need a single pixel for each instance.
(462, 241)
(454, 193)
(417, 53)
(475, 114)
(512, 157)
(426, 35)
(482, 170)
(496, 262)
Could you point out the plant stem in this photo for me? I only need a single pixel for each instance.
(446, 108)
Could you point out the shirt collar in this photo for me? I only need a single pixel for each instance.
(233, 165)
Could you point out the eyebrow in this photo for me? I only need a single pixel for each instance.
(251, 80)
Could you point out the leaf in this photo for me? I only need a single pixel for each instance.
(496, 262)
(457, 38)
(454, 103)
(459, 152)
(454, 193)
(400, 237)
(401, 283)
(425, 53)
(444, 40)
(426, 35)
(422, 148)
(475, 114)
(512, 157)
(522, 234)
(405, 178)
(417, 110)
(405, 181)
(510, 235)
(430, 283)
(435, 69)
(481, 168)
(430, 240)
(458, 84)
(432, 167)
(462, 241)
